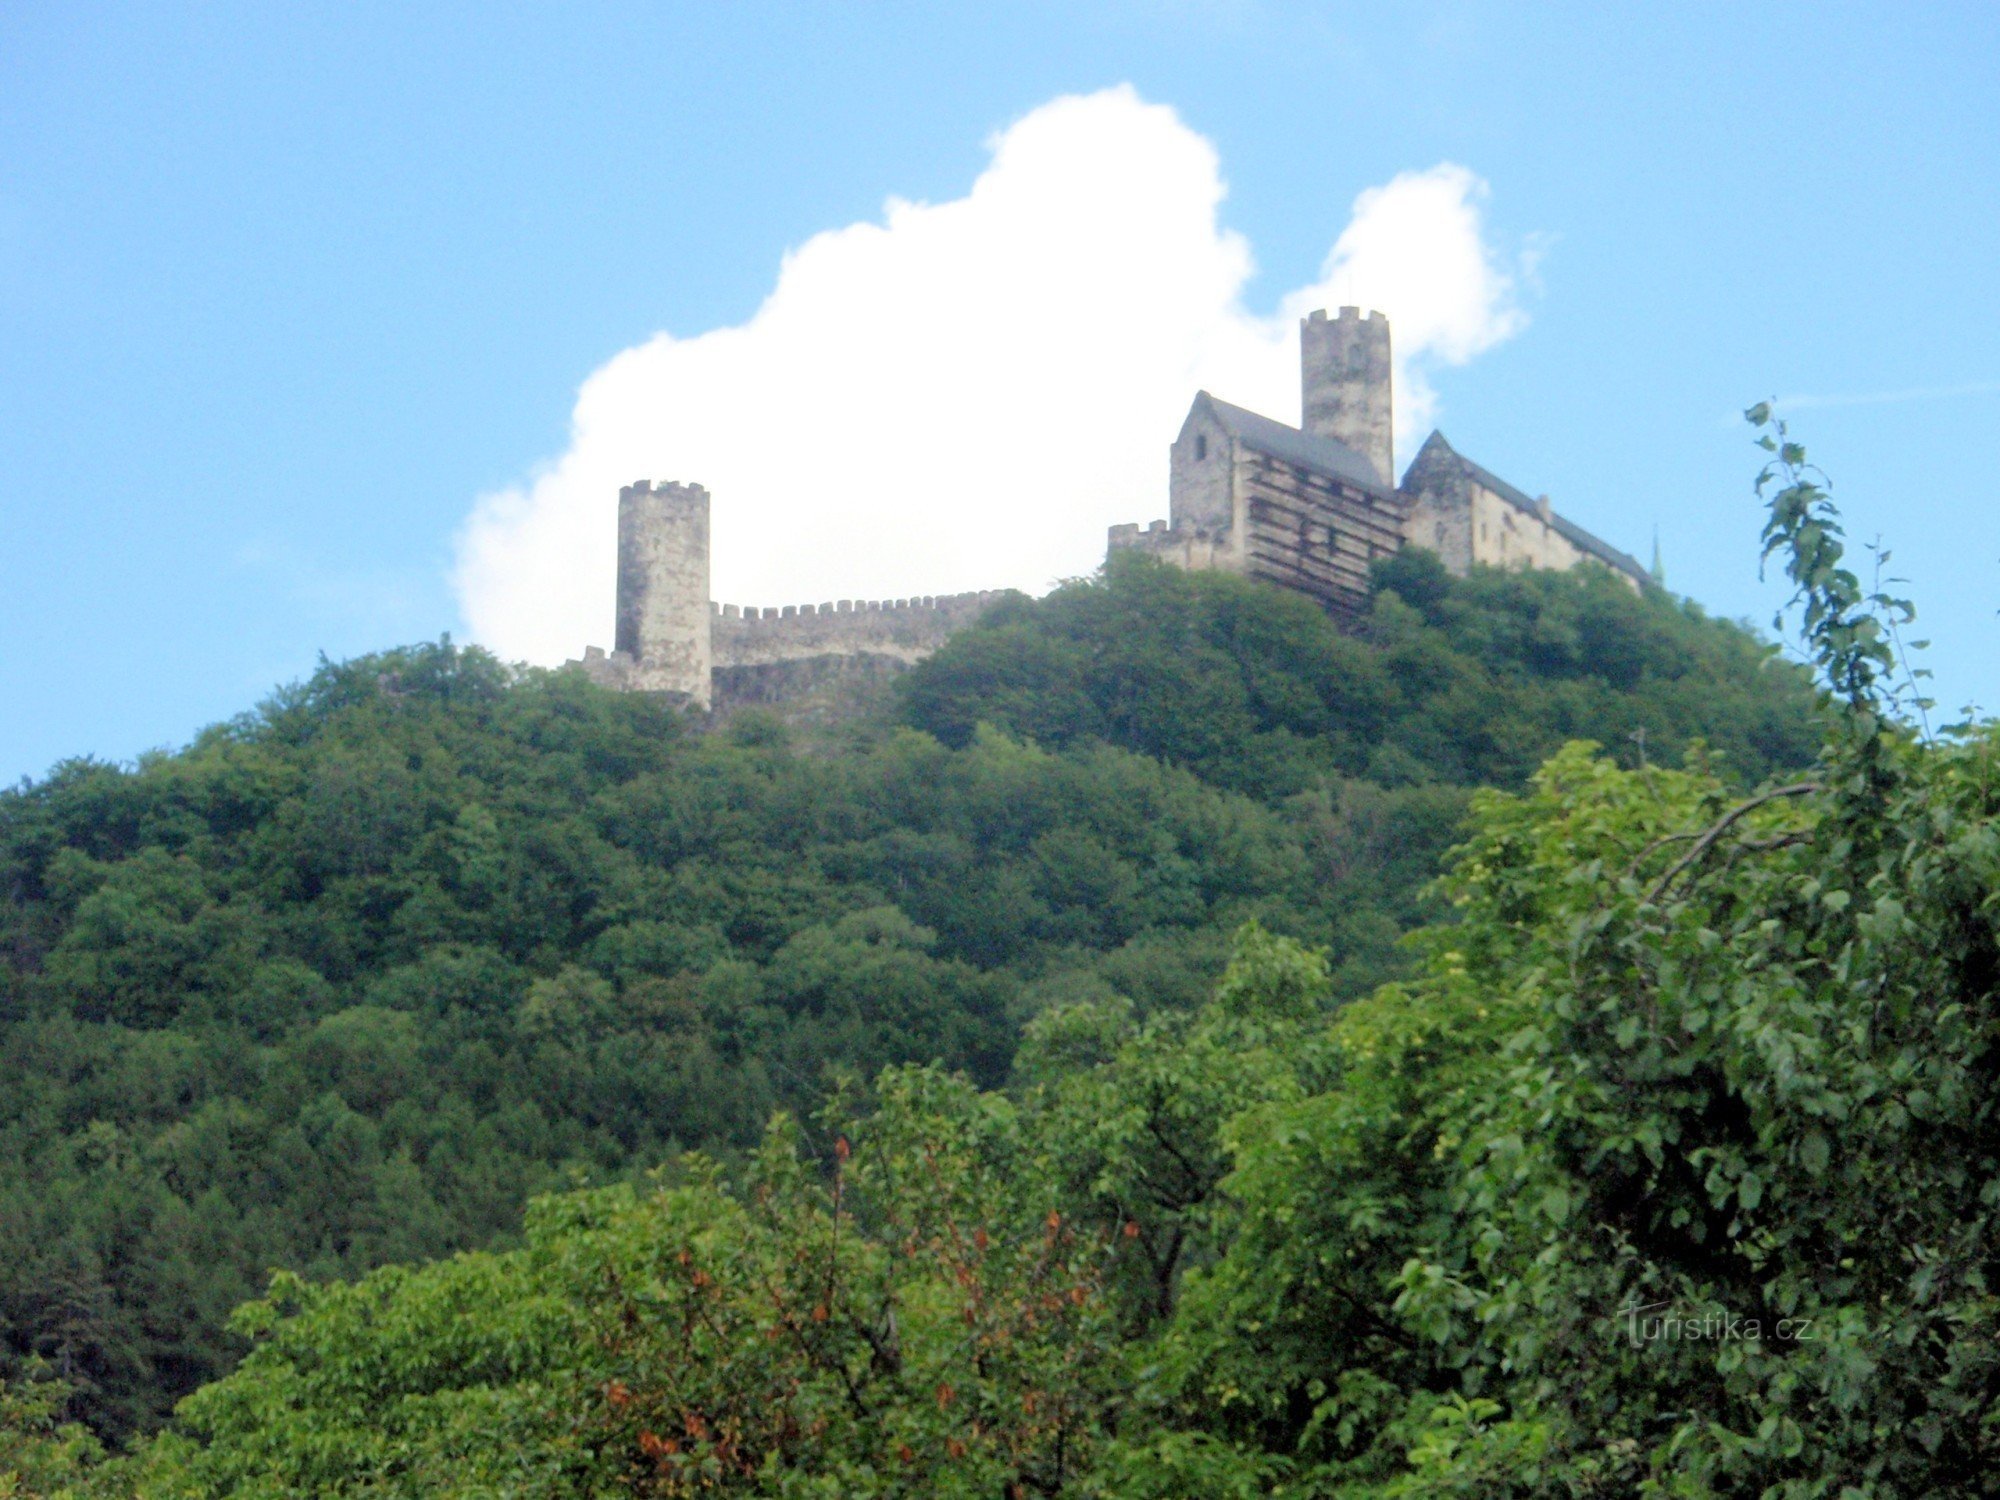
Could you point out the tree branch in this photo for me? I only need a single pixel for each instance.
(1721, 826)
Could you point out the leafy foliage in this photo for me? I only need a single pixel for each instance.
(918, 1320)
(1669, 1171)
(1672, 1173)
(41, 1456)
(349, 980)
(1465, 682)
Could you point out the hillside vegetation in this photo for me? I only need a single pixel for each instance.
(350, 979)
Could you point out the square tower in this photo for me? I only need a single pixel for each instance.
(663, 608)
(1344, 364)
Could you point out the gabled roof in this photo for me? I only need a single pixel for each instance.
(1324, 456)
(1577, 537)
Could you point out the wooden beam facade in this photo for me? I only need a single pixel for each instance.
(1313, 533)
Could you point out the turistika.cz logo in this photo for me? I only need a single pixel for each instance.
(1658, 1323)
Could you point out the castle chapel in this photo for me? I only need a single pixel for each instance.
(1307, 508)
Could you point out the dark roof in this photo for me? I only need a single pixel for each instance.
(1577, 537)
(1325, 456)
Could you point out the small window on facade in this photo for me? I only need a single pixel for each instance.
(1200, 446)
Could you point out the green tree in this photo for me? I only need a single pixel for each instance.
(1672, 1171)
(42, 1456)
(354, 976)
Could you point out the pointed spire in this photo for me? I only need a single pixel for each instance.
(1659, 568)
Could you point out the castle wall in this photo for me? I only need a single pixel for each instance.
(1466, 522)
(1442, 522)
(1345, 369)
(1315, 534)
(624, 673)
(1184, 547)
(904, 630)
(1204, 498)
(1440, 514)
(1505, 536)
(1303, 530)
(1201, 493)
(813, 692)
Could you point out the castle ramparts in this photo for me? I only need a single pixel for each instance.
(672, 638)
(905, 629)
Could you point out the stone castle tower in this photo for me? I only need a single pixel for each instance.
(1308, 508)
(1345, 382)
(669, 637)
(662, 623)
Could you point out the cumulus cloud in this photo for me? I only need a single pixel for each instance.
(966, 394)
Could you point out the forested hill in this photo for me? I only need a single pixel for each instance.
(1460, 682)
(349, 978)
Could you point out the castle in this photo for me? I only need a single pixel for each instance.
(1308, 508)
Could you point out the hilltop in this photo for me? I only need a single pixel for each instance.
(349, 978)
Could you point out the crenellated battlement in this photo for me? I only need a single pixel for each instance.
(751, 613)
(1348, 315)
(672, 638)
(666, 487)
(905, 630)
(1191, 547)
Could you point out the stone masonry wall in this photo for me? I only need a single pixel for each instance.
(905, 630)
(661, 640)
(1466, 522)
(812, 693)
(1440, 516)
(1345, 375)
(1201, 487)
(1505, 536)
(1184, 547)
(1443, 529)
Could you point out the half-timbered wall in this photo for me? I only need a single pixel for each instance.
(1312, 533)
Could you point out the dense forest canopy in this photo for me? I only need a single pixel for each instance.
(1453, 681)
(1667, 1170)
(352, 978)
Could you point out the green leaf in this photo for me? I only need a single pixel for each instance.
(1814, 1152)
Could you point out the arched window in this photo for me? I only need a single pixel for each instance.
(1200, 446)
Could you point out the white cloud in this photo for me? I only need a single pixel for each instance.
(1415, 247)
(968, 393)
(1789, 404)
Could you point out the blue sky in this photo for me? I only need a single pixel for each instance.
(287, 293)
